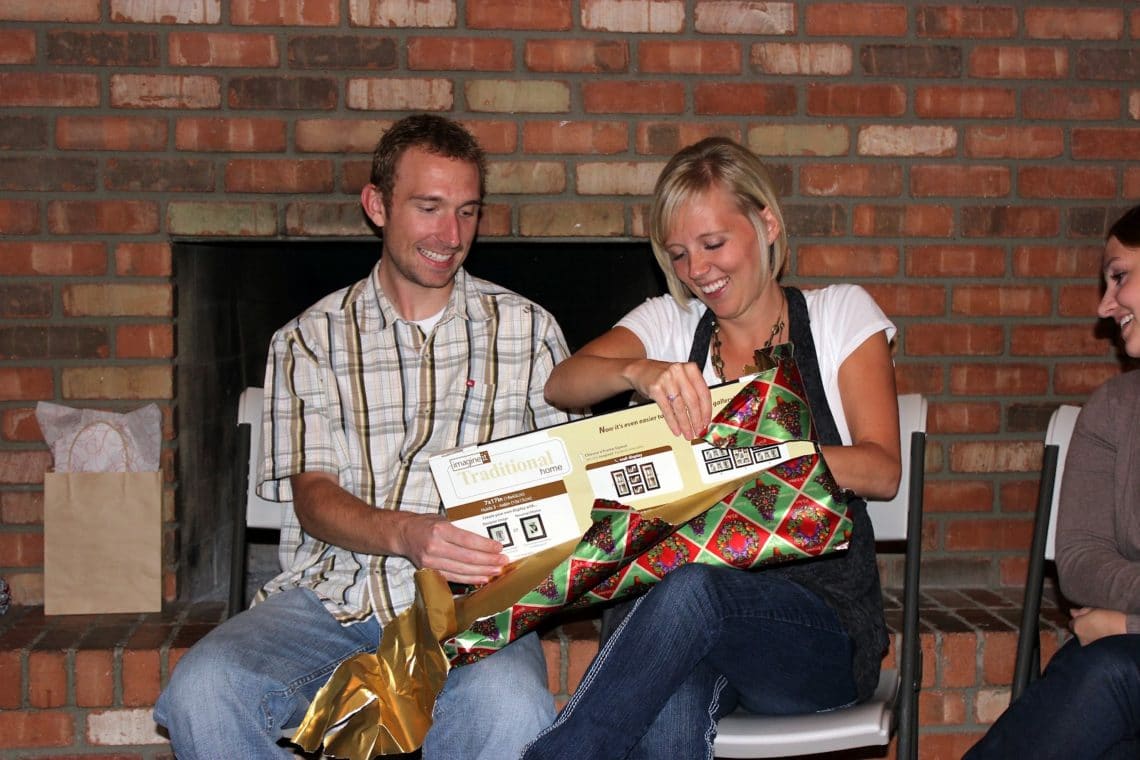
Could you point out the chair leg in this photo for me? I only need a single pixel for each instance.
(237, 552)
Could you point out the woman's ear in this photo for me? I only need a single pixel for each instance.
(771, 224)
(373, 203)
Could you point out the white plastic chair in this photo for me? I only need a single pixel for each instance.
(1027, 665)
(256, 512)
(895, 701)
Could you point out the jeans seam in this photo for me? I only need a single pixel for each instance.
(297, 684)
(714, 706)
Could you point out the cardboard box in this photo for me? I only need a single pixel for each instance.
(536, 490)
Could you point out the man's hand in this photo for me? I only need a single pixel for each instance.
(1092, 623)
(462, 556)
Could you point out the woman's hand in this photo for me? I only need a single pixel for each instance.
(679, 389)
(1092, 623)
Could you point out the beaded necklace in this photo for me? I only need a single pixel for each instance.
(761, 357)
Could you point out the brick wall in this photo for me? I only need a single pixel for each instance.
(961, 161)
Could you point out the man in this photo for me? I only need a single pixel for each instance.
(360, 390)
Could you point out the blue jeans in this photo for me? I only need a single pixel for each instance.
(1085, 705)
(701, 641)
(236, 691)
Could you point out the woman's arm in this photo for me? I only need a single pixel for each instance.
(615, 362)
(870, 466)
(1092, 570)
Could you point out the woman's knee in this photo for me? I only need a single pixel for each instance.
(1113, 661)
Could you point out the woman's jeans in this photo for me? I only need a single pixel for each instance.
(1085, 705)
(699, 642)
(234, 694)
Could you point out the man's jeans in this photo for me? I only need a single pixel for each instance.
(702, 640)
(1085, 705)
(237, 690)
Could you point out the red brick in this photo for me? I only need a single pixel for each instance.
(17, 46)
(214, 134)
(20, 425)
(286, 92)
(117, 133)
(640, 16)
(1002, 301)
(919, 378)
(460, 54)
(1131, 182)
(52, 258)
(166, 12)
(144, 342)
(831, 100)
(999, 650)
(1014, 142)
(217, 49)
(1056, 262)
(742, 17)
(1078, 300)
(103, 217)
(140, 677)
(94, 678)
(964, 417)
(901, 61)
(20, 300)
(26, 384)
(947, 102)
(165, 91)
(956, 495)
(959, 181)
(52, 90)
(954, 261)
(855, 19)
(47, 679)
(575, 137)
(1106, 143)
(1010, 221)
(577, 56)
(758, 99)
(1069, 181)
(988, 535)
(11, 680)
(1019, 496)
(308, 13)
(1074, 23)
(802, 59)
(549, 15)
(68, 47)
(1056, 340)
(909, 221)
(681, 57)
(851, 179)
(1082, 378)
(1005, 379)
(664, 138)
(1008, 62)
(909, 300)
(842, 261)
(966, 21)
(963, 340)
(633, 97)
(21, 508)
(177, 175)
(60, 10)
(36, 728)
(940, 707)
(143, 260)
(1070, 104)
(278, 176)
(19, 217)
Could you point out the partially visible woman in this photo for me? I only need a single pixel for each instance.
(1087, 702)
(791, 639)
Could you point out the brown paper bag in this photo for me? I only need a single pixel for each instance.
(102, 542)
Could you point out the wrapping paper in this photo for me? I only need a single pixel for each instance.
(380, 703)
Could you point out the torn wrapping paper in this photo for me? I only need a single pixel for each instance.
(380, 703)
(89, 440)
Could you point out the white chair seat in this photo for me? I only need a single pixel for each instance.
(862, 725)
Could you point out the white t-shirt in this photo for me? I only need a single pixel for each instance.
(842, 318)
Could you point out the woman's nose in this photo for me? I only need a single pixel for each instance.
(1107, 304)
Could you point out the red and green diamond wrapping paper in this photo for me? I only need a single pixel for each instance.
(791, 511)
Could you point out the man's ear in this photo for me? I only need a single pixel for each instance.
(373, 203)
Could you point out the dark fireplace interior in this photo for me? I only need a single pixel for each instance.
(232, 296)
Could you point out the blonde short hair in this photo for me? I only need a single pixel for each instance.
(694, 170)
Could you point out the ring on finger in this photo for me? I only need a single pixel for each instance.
(671, 397)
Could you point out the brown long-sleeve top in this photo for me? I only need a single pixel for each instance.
(1098, 523)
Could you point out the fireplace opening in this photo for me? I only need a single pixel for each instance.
(233, 295)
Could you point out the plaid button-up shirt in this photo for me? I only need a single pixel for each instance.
(353, 389)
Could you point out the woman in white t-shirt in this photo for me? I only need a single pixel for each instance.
(795, 638)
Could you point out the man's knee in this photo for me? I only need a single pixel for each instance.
(1113, 660)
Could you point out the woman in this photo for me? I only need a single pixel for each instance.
(792, 639)
(1087, 703)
